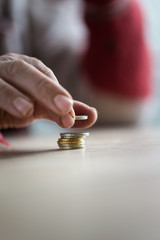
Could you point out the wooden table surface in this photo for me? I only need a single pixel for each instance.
(108, 191)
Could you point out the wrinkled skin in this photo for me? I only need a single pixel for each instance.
(28, 90)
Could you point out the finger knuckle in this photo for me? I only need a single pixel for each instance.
(7, 57)
(49, 72)
(42, 67)
(10, 56)
(36, 61)
(16, 66)
(44, 88)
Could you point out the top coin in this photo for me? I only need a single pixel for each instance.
(74, 134)
(81, 117)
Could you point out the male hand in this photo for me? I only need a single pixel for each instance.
(29, 90)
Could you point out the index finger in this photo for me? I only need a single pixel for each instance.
(40, 87)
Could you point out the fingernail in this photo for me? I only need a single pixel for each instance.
(63, 103)
(22, 105)
(67, 121)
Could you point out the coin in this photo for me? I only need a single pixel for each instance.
(72, 140)
(69, 148)
(64, 141)
(81, 117)
(74, 134)
(72, 145)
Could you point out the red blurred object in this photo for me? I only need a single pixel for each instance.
(118, 59)
(4, 141)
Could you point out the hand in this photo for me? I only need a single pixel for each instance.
(29, 90)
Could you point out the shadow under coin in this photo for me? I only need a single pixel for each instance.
(20, 153)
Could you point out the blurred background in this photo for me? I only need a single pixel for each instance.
(77, 36)
(59, 44)
(152, 12)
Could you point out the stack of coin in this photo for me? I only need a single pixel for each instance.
(73, 140)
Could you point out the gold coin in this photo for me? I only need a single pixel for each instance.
(71, 144)
(69, 147)
(73, 137)
(72, 140)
